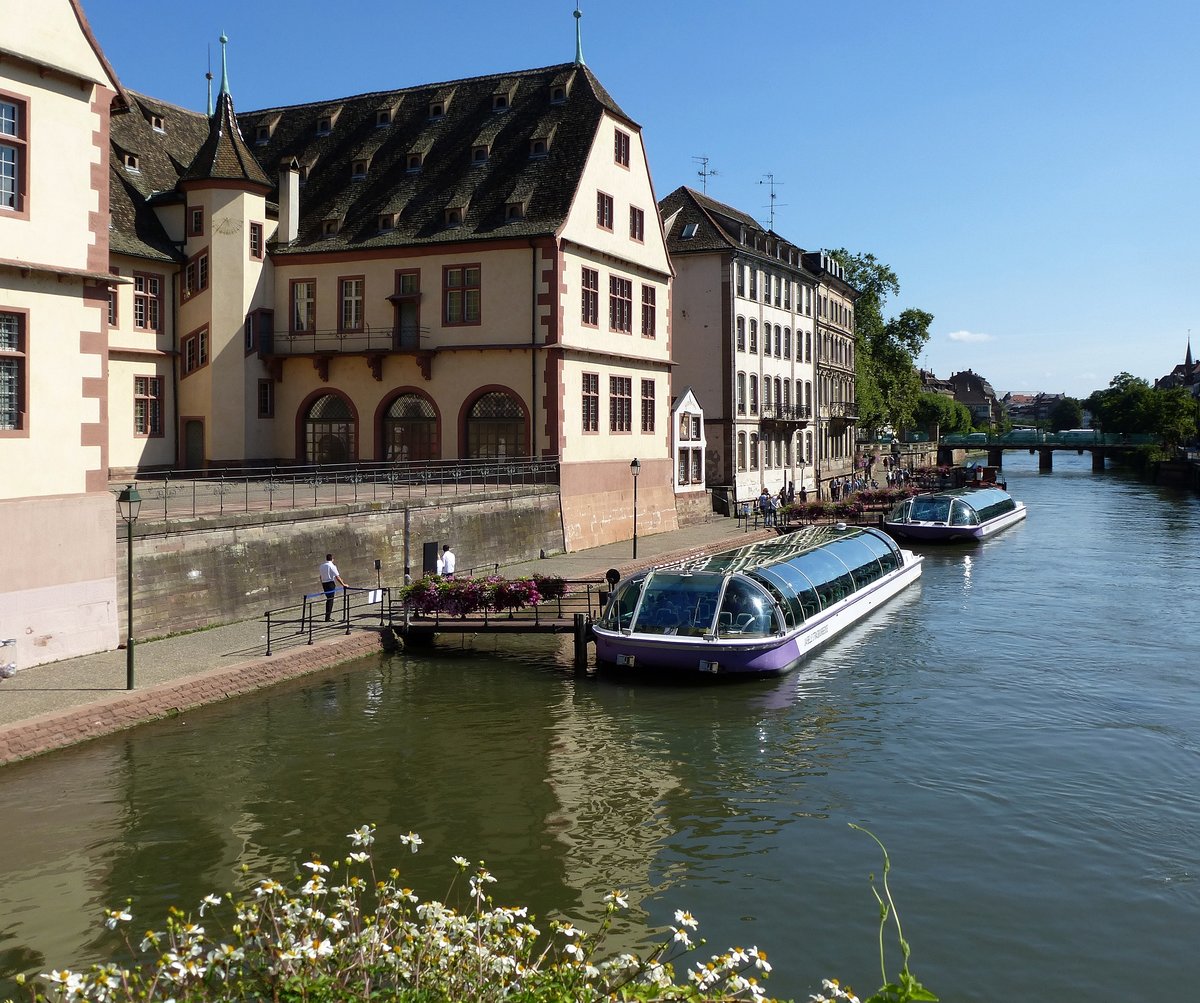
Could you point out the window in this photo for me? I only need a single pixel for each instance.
(351, 295)
(753, 394)
(256, 241)
(649, 314)
(537, 149)
(147, 302)
(647, 405)
(787, 342)
(741, 334)
(604, 211)
(324, 125)
(620, 304)
(262, 135)
(754, 337)
(304, 306)
(156, 123)
(590, 306)
(620, 404)
(414, 162)
(479, 155)
(637, 224)
(358, 169)
(787, 294)
(196, 221)
(266, 398)
(753, 450)
(383, 118)
(754, 283)
(461, 294)
(591, 402)
(621, 147)
(14, 132)
(697, 466)
(741, 393)
(112, 300)
(741, 280)
(12, 371)
(777, 282)
(778, 342)
(147, 406)
(195, 351)
(195, 276)
(741, 451)
(131, 162)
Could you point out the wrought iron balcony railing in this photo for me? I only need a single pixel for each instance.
(406, 338)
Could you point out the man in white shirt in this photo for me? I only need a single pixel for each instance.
(330, 580)
(447, 561)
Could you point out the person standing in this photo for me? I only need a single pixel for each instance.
(448, 561)
(330, 580)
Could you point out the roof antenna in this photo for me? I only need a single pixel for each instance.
(769, 179)
(578, 37)
(208, 76)
(704, 173)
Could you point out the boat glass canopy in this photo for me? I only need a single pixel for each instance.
(766, 588)
(964, 507)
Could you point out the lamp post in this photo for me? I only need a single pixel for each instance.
(635, 468)
(129, 503)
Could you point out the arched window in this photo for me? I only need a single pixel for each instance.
(741, 452)
(786, 400)
(787, 342)
(753, 394)
(330, 431)
(753, 450)
(410, 430)
(741, 334)
(741, 393)
(779, 392)
(495, 427)
(766, 401)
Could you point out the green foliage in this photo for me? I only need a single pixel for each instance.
(1066, 413)
(1130, 405)
(887, 383)
(941, 415)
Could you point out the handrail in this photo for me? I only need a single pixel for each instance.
(356, 604)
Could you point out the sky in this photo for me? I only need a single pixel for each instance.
(1028, 169)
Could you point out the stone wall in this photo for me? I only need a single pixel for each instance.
(215, 569)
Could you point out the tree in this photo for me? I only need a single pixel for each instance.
(1066, 413)
(888, 386)
(941, 415)
(1131, 405)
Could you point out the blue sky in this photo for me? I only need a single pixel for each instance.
(1028, 169)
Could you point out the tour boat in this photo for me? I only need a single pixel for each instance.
(961, 514)
(759, 610)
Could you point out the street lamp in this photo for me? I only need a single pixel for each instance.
(129, 503)
(635, 468)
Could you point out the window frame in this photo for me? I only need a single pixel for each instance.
(620, 404)
(589, 299)
(589, 403)
(151, 400)
(637, 224)
(194, 276)
(648, 405)
(17, 141)
(311, 326)
(649, 312)
(620, 304)
(265, 398)
(195, 221)
(20, 357)
(621, 145)
(604, 210)
(255, 244)
(147, 302)
(463, 318)
(346, 297)
(194, 352)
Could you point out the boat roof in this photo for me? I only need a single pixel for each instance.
(774, 550)
(976, 498)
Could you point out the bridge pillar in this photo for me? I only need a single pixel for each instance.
(945, 456)
(995, 457)
(1097, 459)
(1045, 459)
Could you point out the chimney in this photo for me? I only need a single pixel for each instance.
(289, 200)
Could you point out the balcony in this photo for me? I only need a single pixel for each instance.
(839, 414)
(787, 415)
(371, 343)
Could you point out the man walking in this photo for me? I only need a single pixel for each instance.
(448, 561)
(330, 580)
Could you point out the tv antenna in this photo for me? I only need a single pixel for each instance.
(769, 179)
(704, 173)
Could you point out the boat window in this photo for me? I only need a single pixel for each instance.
(860, 559)
(931, 508)
(746, 610)
(782, 593)
(674, 603)
(828, 575)
(619, 613)
(884, 549)
(799, 598)
(961, 514)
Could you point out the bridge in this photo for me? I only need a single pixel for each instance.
(1100, 444)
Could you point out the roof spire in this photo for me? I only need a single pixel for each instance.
(224, 65)
(209, 77)
(578, 37)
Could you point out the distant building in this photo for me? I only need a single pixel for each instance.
(1186, 374)
(1030, 408)
(932, 385)
(976, 394)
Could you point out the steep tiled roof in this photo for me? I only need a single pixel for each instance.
(449, 175)
(224, 156)
(162, 156)
(714, 226)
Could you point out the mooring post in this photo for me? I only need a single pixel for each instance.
(580, 631)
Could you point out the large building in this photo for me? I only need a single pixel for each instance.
(764, 333)
(57, 598)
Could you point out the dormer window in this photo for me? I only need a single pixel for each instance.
(437, 109)
(324, 125)
(499, 102)
(383, 118)
(303, 172)
(538, 149)
(157, 124)
(262, 135)
(454, 217)
(514, 210)
(689, 231)
(130, 160)
(387, 221)
(414, 162)
(358, 169)
(558, 95)
(330, 227)
(479, 155)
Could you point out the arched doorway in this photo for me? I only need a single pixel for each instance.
(410, 429)
(330, 431)
(495, 427)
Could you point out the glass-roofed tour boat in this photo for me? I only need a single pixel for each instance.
(758, 610)
(959, 514)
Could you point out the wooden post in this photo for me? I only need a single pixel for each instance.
(581, 640)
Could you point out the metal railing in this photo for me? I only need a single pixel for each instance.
(181, 494)
(352, 607)
(406, 338)
(797, 413)
(582, 595)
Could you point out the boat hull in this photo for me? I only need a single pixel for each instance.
(761, 656)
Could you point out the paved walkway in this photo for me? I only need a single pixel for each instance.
(50, 706)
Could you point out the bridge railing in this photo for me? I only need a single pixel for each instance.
(352, 606)
(1075, 439)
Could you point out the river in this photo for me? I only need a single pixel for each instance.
(1020, 729)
